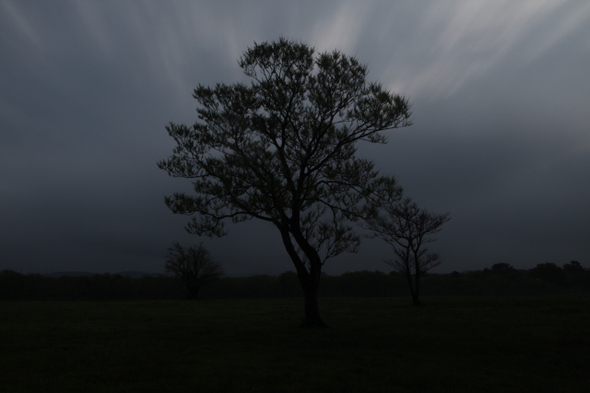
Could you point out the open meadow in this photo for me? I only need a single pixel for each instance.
(451, 344)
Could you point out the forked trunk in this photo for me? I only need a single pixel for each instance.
(309, 279)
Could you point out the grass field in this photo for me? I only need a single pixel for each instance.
(374, 345)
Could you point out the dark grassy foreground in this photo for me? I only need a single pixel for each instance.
(375, 345)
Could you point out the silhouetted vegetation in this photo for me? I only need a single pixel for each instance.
(194, 266)
(499, 280)
(282, 149)
(407, 228)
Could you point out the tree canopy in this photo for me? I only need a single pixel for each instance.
(407, 228)
(282, 149)
(193, 265)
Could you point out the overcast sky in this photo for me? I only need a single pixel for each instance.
(500, 93)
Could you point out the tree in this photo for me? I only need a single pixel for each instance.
(503, 268)
(549, 272)
(193, 265)
(283, 150)
(576, 275)
(574, 267)
(406, 228)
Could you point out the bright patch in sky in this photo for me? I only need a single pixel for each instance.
(499, 89)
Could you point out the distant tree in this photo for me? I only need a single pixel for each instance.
(502, 268)
(283, 150)
(573, 268)
(407, 228)
(549, 272)
(577, 275)
(193, 265)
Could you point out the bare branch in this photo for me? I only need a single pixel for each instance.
(193, 265)
(406, 228)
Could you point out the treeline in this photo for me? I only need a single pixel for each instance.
(499, 280)
(16, 286)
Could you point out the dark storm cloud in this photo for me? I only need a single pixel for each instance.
(500, 137)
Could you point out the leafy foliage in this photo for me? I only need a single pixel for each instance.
(283, 150)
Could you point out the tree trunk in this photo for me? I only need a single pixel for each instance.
(413, 289)
(309, 280)
(192, 293)
(416, 293)
(415, 300)
(312, 317)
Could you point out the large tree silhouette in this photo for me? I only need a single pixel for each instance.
(282, 149)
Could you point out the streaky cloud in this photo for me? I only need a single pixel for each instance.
(457, 42)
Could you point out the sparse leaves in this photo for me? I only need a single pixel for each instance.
(407, 228)
(283, 150)
(285, 145)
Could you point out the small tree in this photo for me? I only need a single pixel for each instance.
(194, 266)
(407, 227)
(283, 150)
